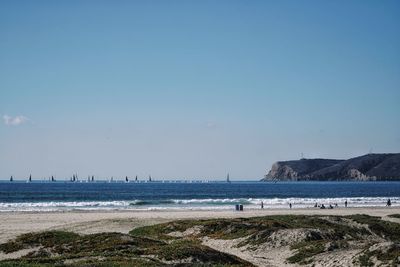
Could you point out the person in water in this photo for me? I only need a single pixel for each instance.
(262, 205)
(389, 203)
(290, 205)
(345, 204)
(322, 206)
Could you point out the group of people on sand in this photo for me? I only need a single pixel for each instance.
(335, 205)
(322, 206)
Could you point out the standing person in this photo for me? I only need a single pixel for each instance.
(262, 205)
(290, 205)
(389, 203)
(345, 204)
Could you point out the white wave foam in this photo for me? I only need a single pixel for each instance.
(194, 204)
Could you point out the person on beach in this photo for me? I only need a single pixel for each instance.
(389, 203)
(345, 204)
(316, 205)
(322, 206)
(262, 205)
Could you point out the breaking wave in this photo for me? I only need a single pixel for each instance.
(193, 204)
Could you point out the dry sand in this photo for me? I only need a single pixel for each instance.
(16, 223)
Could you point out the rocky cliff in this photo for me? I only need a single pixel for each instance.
(370, 167)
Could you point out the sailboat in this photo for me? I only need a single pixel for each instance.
(11, 179)
(126, 179)
(92, 178)
(136, 179)
(30, 178)
(112, 179)
(149, 178)
(227, 178)
(52, 179)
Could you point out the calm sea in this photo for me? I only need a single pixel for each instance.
(50, 196)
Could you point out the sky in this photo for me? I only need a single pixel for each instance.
(194, 89)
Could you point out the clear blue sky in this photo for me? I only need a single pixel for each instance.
(194, 89)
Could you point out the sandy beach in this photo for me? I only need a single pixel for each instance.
(86, 222)
(275, 252)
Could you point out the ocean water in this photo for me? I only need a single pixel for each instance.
(52, 196)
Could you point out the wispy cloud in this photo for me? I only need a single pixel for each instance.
(211, 124)
(15, 121)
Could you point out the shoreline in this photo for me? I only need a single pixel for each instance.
(206, 209)
(85, 222)
(215, 204)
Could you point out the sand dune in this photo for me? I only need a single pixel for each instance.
(13, 224)
(275, 252)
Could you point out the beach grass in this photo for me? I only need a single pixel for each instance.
(384, 229)
(181, 243)
(111, 249)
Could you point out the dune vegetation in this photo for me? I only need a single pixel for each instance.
(359, 240)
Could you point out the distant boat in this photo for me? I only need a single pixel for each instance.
(136, 179)
(52, 179)
(30, 178)
(227, 178)
(111, 179)
(11, 179)
(126, 179)
(149, 178)
(92, 178)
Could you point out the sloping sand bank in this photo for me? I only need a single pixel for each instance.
(13, 224)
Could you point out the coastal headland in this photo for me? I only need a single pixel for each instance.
(369, 167)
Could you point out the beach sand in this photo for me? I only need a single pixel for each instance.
(85, 222)
(88, 222)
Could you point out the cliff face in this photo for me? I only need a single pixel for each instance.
(369, 167)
